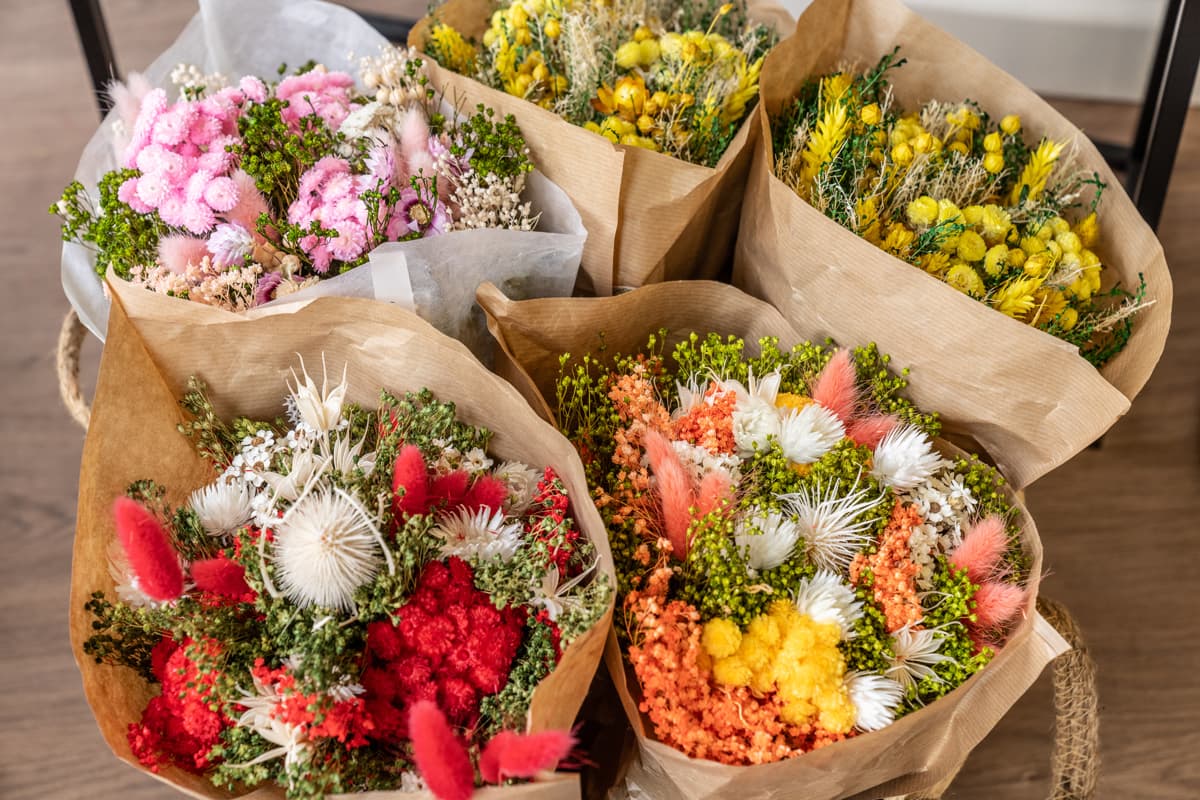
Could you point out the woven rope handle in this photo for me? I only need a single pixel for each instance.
(1075, 762)
(70, 340)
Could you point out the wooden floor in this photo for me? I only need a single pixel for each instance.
(1121, 524)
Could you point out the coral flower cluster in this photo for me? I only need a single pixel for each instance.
(361, 600)
(798, 561)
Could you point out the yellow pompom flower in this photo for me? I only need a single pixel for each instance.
(996, 259)
(766, 628)
(966, 280)
(972, 215)
(517, 16)
(995, 223)
(1088, 230)
(1016, 257)
(731, 672)
(1048, 304)
(923, 211)
(1055, 250)
(870, 114)
(643, 34)
(922, 143)
(898, 240)
(971, 247)
(1069, 318)
(1058, 226)
(721, 638)
(902, 154)
(628, 55)
(958, 147)
(935, 263)
(993, 162)
(1032, 244)
(947, 211)
(1011, 124)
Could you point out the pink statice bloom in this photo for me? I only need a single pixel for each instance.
(329, 196)
(326, 94)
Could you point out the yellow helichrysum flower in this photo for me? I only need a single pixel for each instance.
(642, 34)
(898, 240)
(922, 211)
(517, 16)
(972, 215)
(1037, 171)
(948, 211)
(1011, 124)
(633, 140)
(1058, 225)
(958, 147)
(1015, 298)
(671, 45)
(721, 638)
(866, 211)
(1032, 244)
(628, 55)
(996, 259)
(995, 223)
(971, 247)
(965, 279)
(1088, 230)
(993, 143)
(824, 142)
(902, 154)
(1038, 264)
(870, 114)
(552, 28)
(1016, 257)
(1048, 304)
(935, 263)
(1068, 319)
(922, 143)
(993, 162)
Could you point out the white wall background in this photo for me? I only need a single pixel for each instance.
(1096, 49)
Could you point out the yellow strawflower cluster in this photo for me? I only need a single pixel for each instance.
(788, 653)
(645, 84)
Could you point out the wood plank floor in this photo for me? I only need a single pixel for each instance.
(1120, 524)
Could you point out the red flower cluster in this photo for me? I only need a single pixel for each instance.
(321, 715)
(418, 492)
(450, 646)
(178, 727)
(548, 521)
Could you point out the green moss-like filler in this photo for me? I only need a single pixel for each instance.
(123, 238)
(535, 660)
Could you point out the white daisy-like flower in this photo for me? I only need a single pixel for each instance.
(302, 436)
(478, 535)
(809, 433)
(521, 480)
(829, 523)
(827, 598)
(223, 507)
(326, 546)
(905, 458)
(768, 538)
(875, 699)
(476, 461)
(448, 460)
(320, 409)
(916, 654)
(755, 417)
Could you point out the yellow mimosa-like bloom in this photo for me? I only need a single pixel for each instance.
(451, 50)
(721, 638)
(1015, 298)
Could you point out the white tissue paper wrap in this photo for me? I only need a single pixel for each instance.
(436, 276)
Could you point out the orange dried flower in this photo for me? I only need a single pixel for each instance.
(895, 573)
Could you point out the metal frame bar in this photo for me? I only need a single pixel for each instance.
(97, 48)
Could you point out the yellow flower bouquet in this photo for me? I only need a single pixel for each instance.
(637, 107)
(970, 246)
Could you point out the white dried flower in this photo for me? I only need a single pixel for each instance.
(905, 458)
(325, 548)
(755, 417)
(521, 481)
(320, 409)
(875, 699)
(478, 535)
(767, 538)
(916, 654)
(222, 507)
(830, 523)
(827, 598)
(809, 433)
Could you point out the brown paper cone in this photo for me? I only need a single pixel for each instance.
(155, 344)
(917, 752)
(1026, 396)
(649, 217)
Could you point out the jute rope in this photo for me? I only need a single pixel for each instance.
(70, 339)
(1075, 761)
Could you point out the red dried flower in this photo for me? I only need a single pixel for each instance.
(441, 757)
(151, 557)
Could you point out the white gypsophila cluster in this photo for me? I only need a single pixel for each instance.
(766, 538)
(491, 201)
(699, 461)
(412, 782)
(826, 598)
(875, 699)
(190, 79)
(477, 535)
(253, 461)
(946, 507)
(395, 76)
(203, 282)
(521, 481)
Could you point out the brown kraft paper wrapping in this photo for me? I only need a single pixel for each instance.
(649, 217)
(1027, 397)
(155, 343)
(916, 753)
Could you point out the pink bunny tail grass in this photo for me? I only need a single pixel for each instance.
(152, 558)
(516, 755)
(221, 576)
(869, 431)
(127, 97)
(674, 490)
(836, 387)
(486, 491)
(441, 757)
(414, 144)
(715, 491)
(997, 604)
(249, 206)
(177, 252)
(982, 548)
